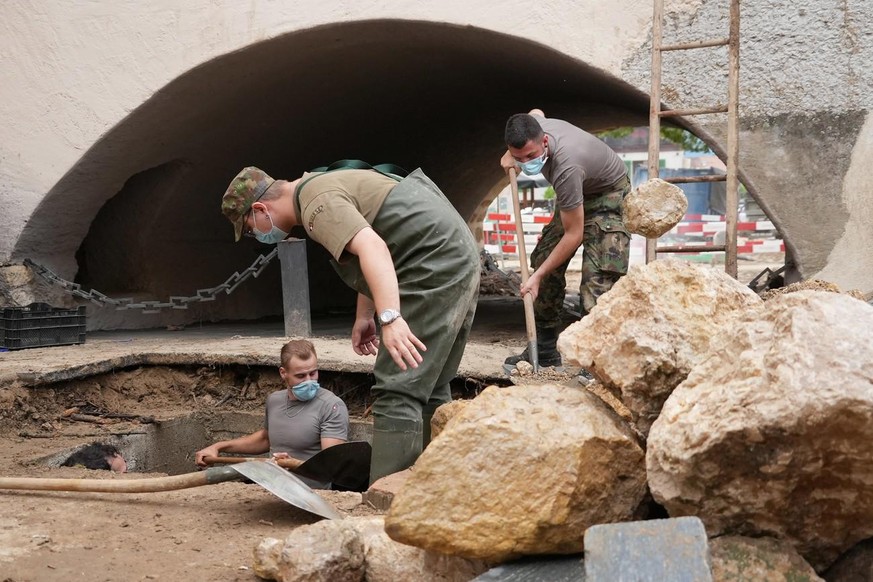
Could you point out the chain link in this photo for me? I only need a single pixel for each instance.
(174, 302)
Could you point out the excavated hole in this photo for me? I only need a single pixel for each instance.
(174, 411)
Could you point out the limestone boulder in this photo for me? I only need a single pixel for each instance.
(520, 471)
(443, 414)
(856, 565)
(20, 286)
(390, 561)
(326, 551)
(644, 336)
(770, 433)
(354, 549)
(741, 559)
(653, 208)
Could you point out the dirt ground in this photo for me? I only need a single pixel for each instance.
(205, 533)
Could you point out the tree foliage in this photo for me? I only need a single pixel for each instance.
(684, 139)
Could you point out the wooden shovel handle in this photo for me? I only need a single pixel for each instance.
(529, 320)
(289, 463)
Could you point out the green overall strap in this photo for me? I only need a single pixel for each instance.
(392, 171)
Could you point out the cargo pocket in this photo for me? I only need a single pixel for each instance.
(607, 243)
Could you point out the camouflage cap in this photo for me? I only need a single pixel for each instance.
(244, 190)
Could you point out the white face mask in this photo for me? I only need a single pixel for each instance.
(275, 236)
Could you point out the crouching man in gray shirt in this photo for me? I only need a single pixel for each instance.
(300, 420)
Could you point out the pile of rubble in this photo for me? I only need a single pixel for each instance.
(748, 418)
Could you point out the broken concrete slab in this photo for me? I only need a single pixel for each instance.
(553, 569)
(648, 551)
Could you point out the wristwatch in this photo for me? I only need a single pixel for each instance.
(388, 316)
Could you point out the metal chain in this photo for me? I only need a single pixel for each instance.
(174, 302)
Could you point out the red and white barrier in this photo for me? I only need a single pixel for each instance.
(697, 229)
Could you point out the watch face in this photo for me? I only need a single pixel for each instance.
(388, 316)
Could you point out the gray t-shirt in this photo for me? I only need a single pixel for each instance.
(580, 166)
(296, 427)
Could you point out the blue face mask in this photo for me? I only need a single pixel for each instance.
(305, 390)
(275, 236)
(534, 166)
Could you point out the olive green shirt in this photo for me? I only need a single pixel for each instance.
(335, 206)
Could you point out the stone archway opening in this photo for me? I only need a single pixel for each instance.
(138, 214)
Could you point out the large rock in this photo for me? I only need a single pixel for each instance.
(856, 565)
(770, 434)
(326, 551)
(353, 550)
(651, 328)
(653, 208)
(444, 414)
(742, 559)
(20, 286)
(521, 470)
(390, 561)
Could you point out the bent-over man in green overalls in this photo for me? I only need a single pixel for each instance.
(415, 265)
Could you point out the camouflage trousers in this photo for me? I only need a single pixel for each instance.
(604, 257)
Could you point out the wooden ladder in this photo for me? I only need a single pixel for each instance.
(656, 113)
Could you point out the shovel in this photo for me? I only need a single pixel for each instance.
(271, 477)
(346, 465)
(522, 259)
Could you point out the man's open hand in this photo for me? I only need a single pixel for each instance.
(404, 348)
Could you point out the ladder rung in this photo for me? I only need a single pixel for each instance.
(690, 249)
(684, 112)
(695, 45)
(692, 179)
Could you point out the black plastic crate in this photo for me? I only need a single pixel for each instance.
(40, 325)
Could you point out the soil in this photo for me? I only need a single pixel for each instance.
(202, 533)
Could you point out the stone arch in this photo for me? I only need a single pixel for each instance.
(413, 93)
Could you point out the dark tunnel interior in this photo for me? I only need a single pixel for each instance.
(138, 215)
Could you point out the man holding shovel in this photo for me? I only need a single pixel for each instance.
(590, 181)
(415, 265)
(300, 421)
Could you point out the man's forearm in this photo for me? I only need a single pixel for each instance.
(253, 444)
(366, 309)
(563, 251)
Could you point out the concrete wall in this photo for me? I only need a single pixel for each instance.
(124, 121)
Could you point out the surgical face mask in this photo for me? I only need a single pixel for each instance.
(534, 166)
(305, 390)
(275, 236)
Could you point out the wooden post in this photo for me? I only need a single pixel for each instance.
(655, 109)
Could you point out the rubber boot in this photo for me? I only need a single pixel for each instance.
(547, 351)
(396, 446)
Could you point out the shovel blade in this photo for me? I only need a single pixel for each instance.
(346, 465)
(287, 487)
